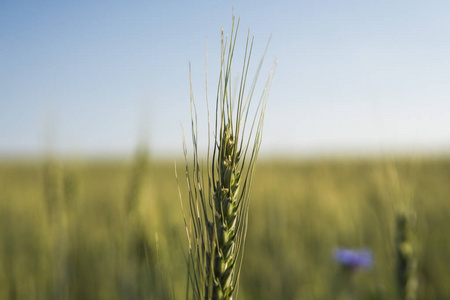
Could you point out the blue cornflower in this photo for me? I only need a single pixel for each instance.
(353, 259)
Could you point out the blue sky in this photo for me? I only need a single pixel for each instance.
(352, 76)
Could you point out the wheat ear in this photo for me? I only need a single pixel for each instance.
(405, 244)
(218, 208)
(406, 258)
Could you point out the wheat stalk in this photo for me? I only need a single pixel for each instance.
(136, 180)
(57, 219)
(218, 206)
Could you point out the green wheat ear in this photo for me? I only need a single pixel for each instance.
(405, 239)
(406, 257)
(218, 206)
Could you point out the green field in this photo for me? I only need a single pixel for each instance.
(114, 230)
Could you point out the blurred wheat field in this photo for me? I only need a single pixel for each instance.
(102, 230)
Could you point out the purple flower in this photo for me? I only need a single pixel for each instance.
(353, 259)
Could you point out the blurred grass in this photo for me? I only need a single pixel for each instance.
(299, 212)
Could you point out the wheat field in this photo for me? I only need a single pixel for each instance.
(114, 229)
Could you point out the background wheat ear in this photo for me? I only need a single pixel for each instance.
(405, 215)
(406, 257)
(219, 196)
